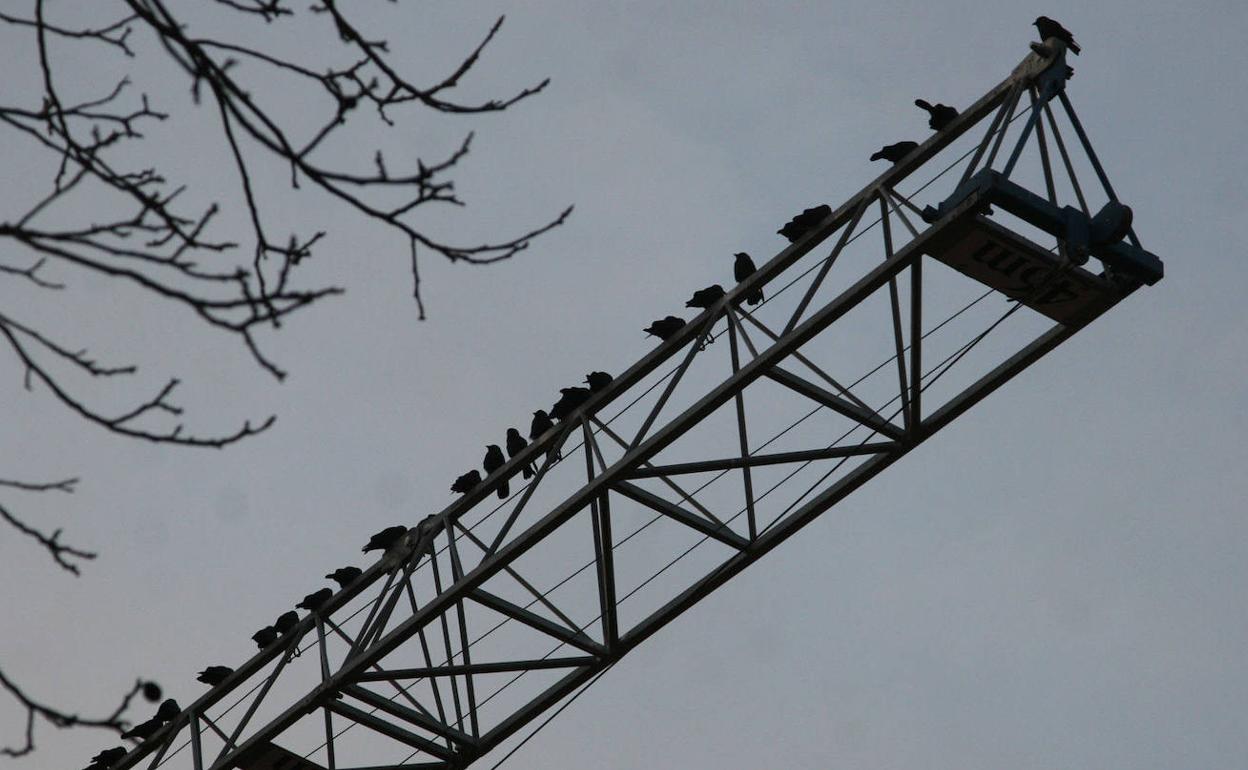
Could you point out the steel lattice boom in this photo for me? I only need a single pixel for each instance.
(715, 448)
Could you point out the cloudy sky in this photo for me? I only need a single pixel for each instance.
(1055, 580)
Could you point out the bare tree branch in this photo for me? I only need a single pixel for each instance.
(60, 719)
(141, 235)
(60, 552)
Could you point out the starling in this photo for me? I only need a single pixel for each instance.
(597, 381)
(168, 710)
(493, 461)
(286, 622)
(742, 268)
(664, 328)
(385, 539)
(214, 675)
(803, 222)
(465, 483)
(344, 576)
(1051, 28)
(144, 730)
(516, 445)
(941, 115)
(108, 756)
(704, 298)
(264, 637)
(569, 402)
(895, 152)
(312, 602)
(151, 691)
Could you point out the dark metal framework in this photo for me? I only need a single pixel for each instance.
(404, 654)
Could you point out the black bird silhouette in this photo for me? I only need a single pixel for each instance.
(108, 756)
(214, 675)
(344, 576)
(144, 730)
(801, 224)
(286, 622)
(264, 637)
(313, 601)
(941, 115)
(516, 445)
(664, 328)
(704, 298)
(493, 461)
(570, 400)
(542, 423)
(598, 380)
(895, 152)
(465, 483)
(1051, 28)
(742, 268)
(168, 710)
(385, 539)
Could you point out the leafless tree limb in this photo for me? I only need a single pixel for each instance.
(36, 710)
(141, 235)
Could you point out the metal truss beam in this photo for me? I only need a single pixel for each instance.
(453, 730)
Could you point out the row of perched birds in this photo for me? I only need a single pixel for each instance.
(570, 399)
(285, 623)
(165, 713)
(941, 115)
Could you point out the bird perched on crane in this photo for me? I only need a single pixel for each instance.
(940, 115)
(570, 400)
(264, 637)
(516, 445)
(665, 328)
(894, 153)
(313, 601)
(214, 675)
(286, 622)
(385, 539)
(704, 298)
(344, 576)
(542, 423)
(168, 710)
(467, 482)
(598, 380)
(803, 222)
(1052, 28)
(494, 460)
(742, 268)
(144, 730)
(106, 758)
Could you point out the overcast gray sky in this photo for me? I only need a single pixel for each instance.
(1056, 580)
